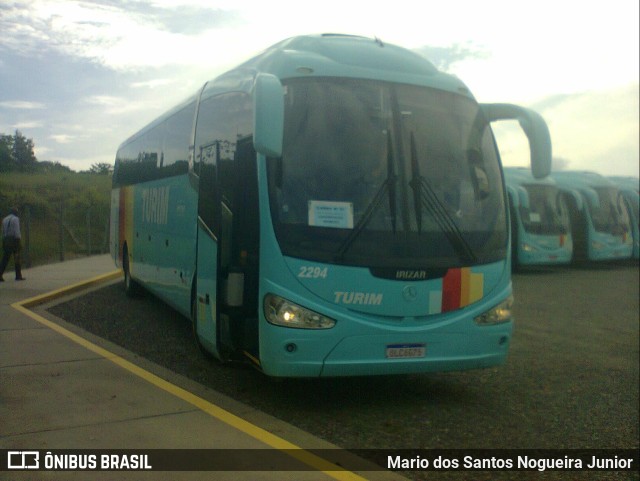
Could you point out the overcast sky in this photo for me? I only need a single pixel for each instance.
(78, 77)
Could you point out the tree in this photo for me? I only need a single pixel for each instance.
(47, 166)
(23, 155)
(7, 163)
(16, 153)
(101, 168)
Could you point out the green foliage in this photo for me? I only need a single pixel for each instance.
(6, 153)
(62, 212)
(16, 153)
(47, 166)
(101, 168)
(84, 199)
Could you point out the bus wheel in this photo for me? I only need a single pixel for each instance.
(131, 287)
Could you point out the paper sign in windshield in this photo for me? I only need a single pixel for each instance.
(324, 213)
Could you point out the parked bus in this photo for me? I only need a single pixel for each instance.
(332, 207)
(540, 226)
(600, 222)
(630, 189)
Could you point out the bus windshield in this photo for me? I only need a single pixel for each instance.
(386, 175)
(547, 213)
(609, 214)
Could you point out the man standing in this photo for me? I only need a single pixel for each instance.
(11, 243)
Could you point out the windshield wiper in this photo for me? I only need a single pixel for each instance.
(388, 186)
(424, 195)
(391, 182)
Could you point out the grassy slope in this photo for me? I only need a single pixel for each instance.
(43, 194)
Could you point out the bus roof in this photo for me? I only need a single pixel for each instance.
(523, 176)
(626, 182)
(573, 179)
(328, 55)
(337, 55)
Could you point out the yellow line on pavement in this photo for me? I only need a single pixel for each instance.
(217, 412)
(70, 289)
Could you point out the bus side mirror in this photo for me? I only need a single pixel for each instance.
(593, 199)
(578, 199)
(268, 120)
(535, 129)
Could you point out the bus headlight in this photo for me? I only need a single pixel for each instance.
(498, 314)
(282, 312)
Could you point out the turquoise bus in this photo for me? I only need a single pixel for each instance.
(540, 226)
(630, 190)
(600, 222)
(334, 206)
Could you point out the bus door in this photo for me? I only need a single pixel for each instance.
(239, 252)
(205, 307)
(226, 293)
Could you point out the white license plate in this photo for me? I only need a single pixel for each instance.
(406, 351)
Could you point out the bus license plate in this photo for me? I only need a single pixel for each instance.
(406, 351)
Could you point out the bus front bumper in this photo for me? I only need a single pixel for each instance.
(367, 355)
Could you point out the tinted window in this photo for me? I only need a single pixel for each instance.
(161, 151)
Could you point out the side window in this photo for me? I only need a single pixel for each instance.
(159, 152)
(129, 167)
(222, 121)
(176, 140)
(150, 153)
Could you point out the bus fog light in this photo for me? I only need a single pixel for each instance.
(496, 315)
(282, 312)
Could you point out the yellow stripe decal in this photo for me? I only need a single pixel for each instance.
(477, 287)
(464, 286)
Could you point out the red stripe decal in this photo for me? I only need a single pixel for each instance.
(451, 287)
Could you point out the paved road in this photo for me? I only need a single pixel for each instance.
(571, 380)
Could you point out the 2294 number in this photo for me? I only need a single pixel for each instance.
(311, 272)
